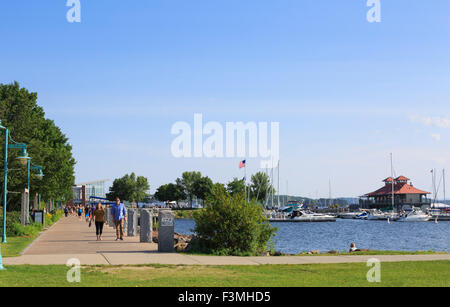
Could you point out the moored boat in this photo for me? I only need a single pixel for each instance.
(416, 215)
(348, 215)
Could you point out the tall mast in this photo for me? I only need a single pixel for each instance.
(433, 181)
(443, 178)
(278, 188)
(271, 188)
(329, 192)
(287, 191)
(392, 176)
(245, 180)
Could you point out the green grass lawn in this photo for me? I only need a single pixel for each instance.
(427, 273)
(15, 245)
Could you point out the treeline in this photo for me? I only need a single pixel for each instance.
(47, 145)
(192, 185)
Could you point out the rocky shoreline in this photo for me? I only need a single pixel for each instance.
(182, 242)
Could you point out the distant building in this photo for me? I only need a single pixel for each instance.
(404, 194)
(83, 191)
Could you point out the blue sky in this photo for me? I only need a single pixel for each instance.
(345, 91)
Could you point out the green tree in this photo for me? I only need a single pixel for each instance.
(130, 188)
(236, 187)
(170, 192)
(229, 225)
(203, 188)
(46, 145)
(260, 187)
(187, 184)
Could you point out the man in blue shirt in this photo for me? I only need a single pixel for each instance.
(119, 214)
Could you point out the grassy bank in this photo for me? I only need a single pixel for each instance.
(428, 273)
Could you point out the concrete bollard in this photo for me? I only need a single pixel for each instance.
(125, 225)
(110, 218)
(146, 226)
(132, 227)
(107, 212)
(166, 229)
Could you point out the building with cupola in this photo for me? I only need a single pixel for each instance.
(403, 191)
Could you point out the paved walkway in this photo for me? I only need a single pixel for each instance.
(71, 238)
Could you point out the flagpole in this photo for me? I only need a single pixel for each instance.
(278, 188)
(245, 180)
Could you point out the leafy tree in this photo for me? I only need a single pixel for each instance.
(170, 192)
(203, 188)
(187, 183)
(260, 186)
(229, 225)
(236, 187)
(130, 188)
(46, 145)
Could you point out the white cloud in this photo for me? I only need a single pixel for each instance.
(440, 122)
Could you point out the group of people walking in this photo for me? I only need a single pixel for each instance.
(98, 216)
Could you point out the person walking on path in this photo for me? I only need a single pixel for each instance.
(80, 212)
(99, 219)
(119, 214)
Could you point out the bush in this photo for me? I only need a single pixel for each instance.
(53, 217)
(229, 225)
(15, 229)
(11, 218)
(27, 231)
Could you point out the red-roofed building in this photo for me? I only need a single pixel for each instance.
(404, 194)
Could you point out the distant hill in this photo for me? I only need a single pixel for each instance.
(321, 202)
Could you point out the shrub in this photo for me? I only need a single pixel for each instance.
(27, 231)
(11, 218)
(230, 225)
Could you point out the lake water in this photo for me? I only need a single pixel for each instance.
(378, 235)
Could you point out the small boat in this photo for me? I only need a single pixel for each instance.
(348, 215)
(377, 215)
(416, 215)
(307, 216)
(362, 216)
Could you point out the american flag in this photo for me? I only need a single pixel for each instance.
(242, 164)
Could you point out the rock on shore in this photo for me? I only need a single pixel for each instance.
(181, 241)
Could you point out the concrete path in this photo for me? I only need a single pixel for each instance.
(71, 238)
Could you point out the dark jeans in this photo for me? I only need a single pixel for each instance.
(99, 228)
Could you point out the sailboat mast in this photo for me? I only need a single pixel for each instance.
(287, 191)
(392, 176)
(443, 178)
(271, 188)
(278, 188)
(329, 192)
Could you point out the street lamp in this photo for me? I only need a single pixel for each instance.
(39, 175)
(4, 189)
(23, 159)
(5, 179)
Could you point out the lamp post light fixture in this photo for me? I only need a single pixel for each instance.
(4, 189)
(39, 175)
(23, 159)
(5, 179)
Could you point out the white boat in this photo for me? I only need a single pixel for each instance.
(307, 216)
(362, 216)
(416, 215)
(377, 215)
(348, 215)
